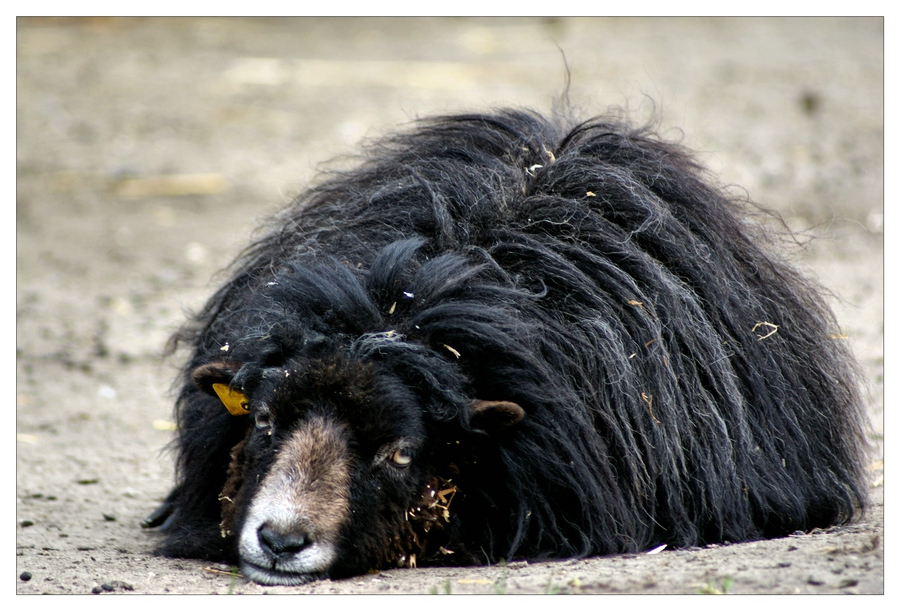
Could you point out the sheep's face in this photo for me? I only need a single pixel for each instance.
(333, 459)
(291, 528)
(339, 473)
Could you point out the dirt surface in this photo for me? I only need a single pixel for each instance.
(148, 149)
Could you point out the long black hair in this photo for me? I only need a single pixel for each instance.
(681, 383)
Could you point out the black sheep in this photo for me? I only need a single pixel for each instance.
(501, 337)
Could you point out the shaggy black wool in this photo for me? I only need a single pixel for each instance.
(681, 383)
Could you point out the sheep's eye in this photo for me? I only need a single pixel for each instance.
(401, 457)
(263, 420)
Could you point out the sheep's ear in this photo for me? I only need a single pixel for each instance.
(494, 416)
(215, 379)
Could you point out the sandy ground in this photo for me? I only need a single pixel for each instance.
(147, 150)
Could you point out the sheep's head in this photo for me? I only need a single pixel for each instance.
(342, 470)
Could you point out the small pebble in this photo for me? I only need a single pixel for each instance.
(96, 590)
(26, 523)
(109, 517)
(107, 587)
(25, 576)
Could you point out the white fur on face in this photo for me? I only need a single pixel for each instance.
(306, 493)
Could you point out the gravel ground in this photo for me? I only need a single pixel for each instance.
(147, 150)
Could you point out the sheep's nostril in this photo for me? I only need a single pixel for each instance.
(279, 544)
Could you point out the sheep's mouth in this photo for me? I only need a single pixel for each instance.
(272, 577)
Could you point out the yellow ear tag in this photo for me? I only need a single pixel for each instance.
(234, 400)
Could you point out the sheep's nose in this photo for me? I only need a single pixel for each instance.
(279, 544)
